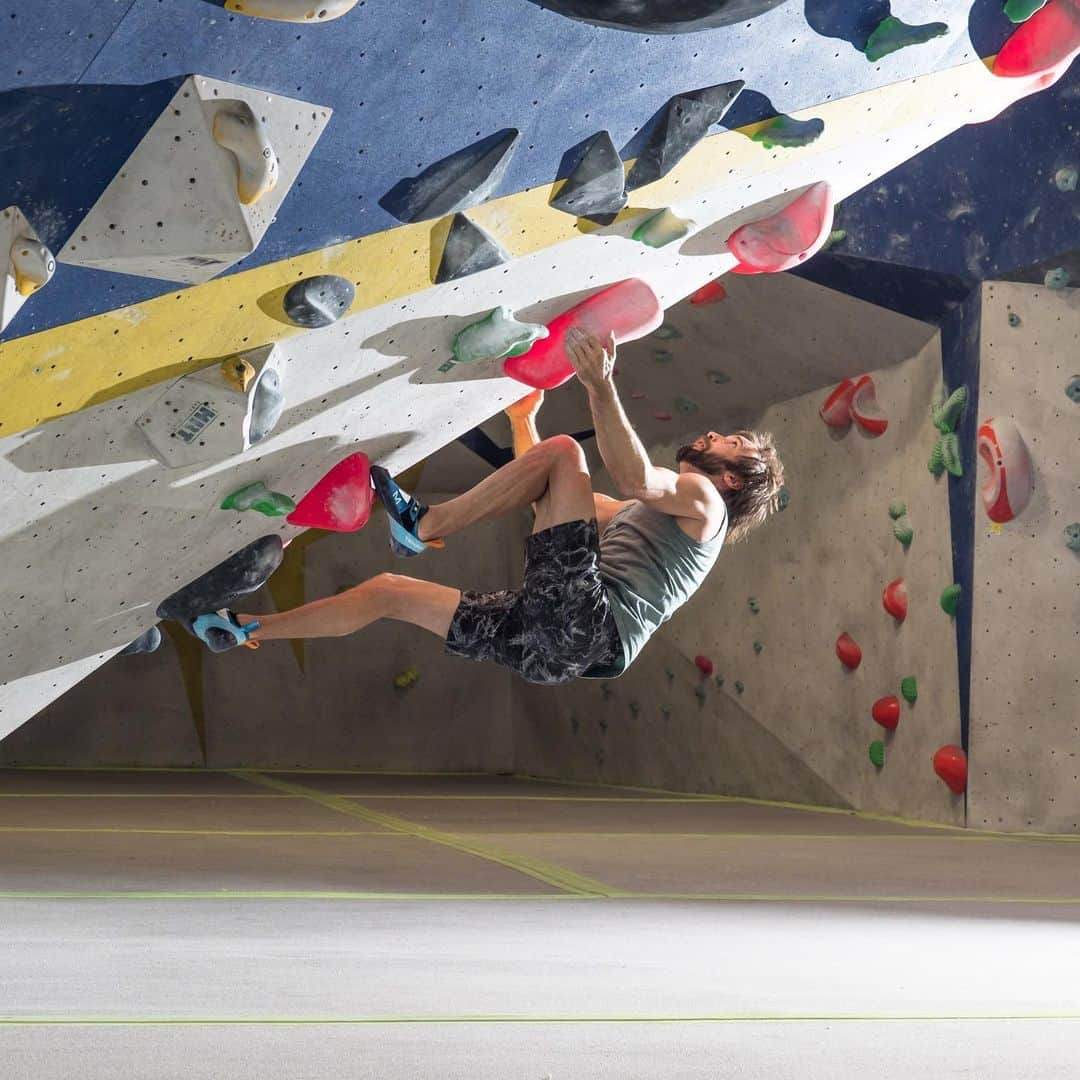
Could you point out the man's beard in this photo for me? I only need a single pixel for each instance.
(701, 459)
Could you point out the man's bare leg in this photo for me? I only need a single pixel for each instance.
(385, 596)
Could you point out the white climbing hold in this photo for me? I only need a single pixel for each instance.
(294, 11)
(32, 264)
(243, 134)
(28, 266)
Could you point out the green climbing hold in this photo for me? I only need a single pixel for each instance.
(717, 378)
(949, 413)
(758, 646)
(1014, 319)
(783, 499)
(1057, 278)
(909, 691)
(686, 406)
(950, 453)
(719, 682)
(496, 336)
(1065, 179)
(670, 674)
(936, 464)
(1019, 11)
(753, 605)
(877, 753)
(407, 678)
(662, 228)
(891, 34)
(666, 332)
(635, 708)
(1072, 536)
(897, 509)
(663, 356)
(259, 498)
(787, 132)
(903, 531)
(699, 693)
(739, 688)
(837, 236)
(950, 599)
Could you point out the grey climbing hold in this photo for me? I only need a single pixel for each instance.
(598, 183)
(1072, 536)
(661, 16)
(1058, 278)
(686, 406)
(267, 406)
(1014, 319)
(318, 301)
(146, 642)
(753, 605)
(465, 178)
(783, 499)
(718, 378)
(670, 674)
(468, 250)
(719, 682)
(1065, 179)
(1072, 391)
(249, 569)
(686, 121)
(739, 688)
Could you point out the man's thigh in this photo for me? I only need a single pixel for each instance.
(569, 494)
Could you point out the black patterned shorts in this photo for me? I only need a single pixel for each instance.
(558, 625)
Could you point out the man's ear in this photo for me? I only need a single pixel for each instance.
(732, 481)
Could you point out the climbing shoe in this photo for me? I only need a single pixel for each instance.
(404, 512)
(222, 631)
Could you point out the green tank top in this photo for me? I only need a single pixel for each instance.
(651, 568)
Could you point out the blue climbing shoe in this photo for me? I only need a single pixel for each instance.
(404, 512)
(222, 631)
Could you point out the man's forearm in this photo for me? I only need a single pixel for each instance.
(617, 441)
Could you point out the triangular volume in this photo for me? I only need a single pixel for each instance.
(193, 198)
(598, 184)
(685, 123)
(468, 250)
(465, 178)
(341, 500)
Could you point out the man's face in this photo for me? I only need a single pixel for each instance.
(712, 449)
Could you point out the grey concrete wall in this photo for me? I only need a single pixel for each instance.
(800, 729)
(342, 709)
(1025, 686)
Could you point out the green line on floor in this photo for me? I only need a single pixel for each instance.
(557, 876)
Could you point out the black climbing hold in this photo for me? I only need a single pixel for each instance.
(238, 575)
(318, 301)
(266, 406)
(468, 250)
(685, 122)
(661, 16)
(144, 643)
(466, 178)
(598, 184)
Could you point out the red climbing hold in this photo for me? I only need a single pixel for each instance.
(704, 665)
(895, 599)
(1007, 487)
(340, 501)
(629, 309)
(886, 712)
(786, 238)
(950, 763)
(836, 412)
(865, 410)
(1042, 46)
(850, 654)
(709, 293)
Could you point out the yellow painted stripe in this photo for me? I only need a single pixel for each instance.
(198, 832)
(614, 1018)
(217, 771)
(557, 876)
(67, 368)
(614, 896)
(136, 795)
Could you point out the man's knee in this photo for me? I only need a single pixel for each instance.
(565, 450)
(390, 590)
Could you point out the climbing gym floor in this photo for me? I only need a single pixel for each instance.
(364, 926)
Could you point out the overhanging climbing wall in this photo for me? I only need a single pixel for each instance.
(98, 530)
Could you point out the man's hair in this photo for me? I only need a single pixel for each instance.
(762, 473)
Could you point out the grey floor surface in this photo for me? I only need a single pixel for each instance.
(186, 924)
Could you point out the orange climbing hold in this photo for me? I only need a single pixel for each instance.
(1044, 46)
(865, 410)
(340, 501)
(786, 238)
(849, 652)
(895, 599)
(628, 309)
(709, 293)
(950, 763)
(886, 712)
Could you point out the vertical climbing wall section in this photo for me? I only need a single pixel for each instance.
(1025, 678)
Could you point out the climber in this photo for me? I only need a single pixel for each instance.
(600, 574)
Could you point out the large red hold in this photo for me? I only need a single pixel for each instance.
(849, 652)
(786, 238)
(1044, 45)
(886, 712)
(628, 309)
(895, 599)
(950, 763)
(340, 501)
